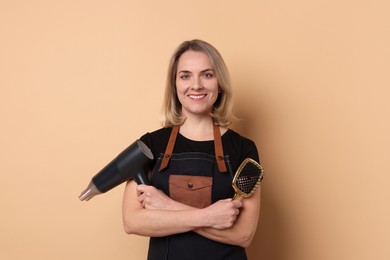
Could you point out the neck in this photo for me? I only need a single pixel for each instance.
(198, 129)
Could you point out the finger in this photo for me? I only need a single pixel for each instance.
(141, 189)
(141, 198)
(237, 203)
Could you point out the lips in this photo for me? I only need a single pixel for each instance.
(197, 97)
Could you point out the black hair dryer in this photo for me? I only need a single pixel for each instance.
(129, 164)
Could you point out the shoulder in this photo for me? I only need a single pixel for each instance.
(239, 145)
(157, 140)
(237, 139)
(159, 133)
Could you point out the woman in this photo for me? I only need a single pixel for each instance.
(188, 211)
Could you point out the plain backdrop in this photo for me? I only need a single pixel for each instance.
(80, 80)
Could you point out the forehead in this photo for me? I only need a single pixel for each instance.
(193, 60)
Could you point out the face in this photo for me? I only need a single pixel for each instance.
(196, 84)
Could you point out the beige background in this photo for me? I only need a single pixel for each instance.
(81, 80)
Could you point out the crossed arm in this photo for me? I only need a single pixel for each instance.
(147, 211)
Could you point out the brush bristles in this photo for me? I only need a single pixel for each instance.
(247, 178)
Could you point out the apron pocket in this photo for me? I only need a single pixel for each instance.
(194, 191)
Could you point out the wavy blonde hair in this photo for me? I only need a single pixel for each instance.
(222, 109)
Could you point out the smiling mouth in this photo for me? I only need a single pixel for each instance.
(196, 97)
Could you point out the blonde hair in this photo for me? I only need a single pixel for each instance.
(222, 110)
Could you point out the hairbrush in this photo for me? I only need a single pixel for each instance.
(247, 178)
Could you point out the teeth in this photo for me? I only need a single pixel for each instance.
(196, 96)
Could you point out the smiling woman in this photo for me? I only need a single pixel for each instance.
(187, 211)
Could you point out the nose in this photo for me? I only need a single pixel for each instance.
(197, 84)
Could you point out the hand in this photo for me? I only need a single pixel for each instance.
(152, 198)
(223, 213)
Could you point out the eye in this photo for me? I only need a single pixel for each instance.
(208, 74)
(184, 76)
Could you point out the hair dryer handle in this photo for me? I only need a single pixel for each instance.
(141, 178)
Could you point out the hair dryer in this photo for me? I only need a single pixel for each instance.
(129, 164)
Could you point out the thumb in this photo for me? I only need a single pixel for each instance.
(237, 203)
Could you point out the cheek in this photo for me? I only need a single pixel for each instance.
(180, 88)
(180, 94)
(216, 89)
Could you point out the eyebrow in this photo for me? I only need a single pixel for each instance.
(203, 71)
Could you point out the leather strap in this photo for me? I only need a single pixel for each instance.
(217, 147)
(169, 149)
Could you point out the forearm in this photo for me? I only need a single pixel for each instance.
(239, 234)
(156, 222)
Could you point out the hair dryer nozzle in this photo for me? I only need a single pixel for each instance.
(129, 164)
(89, 192)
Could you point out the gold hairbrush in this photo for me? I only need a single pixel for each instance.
(247, 178)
